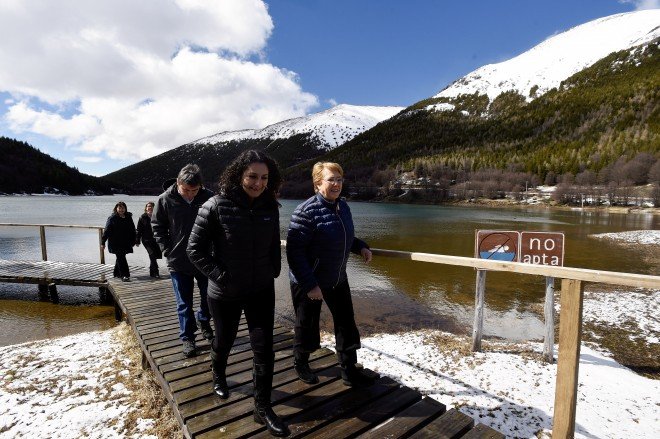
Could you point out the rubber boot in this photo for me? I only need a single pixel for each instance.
(301, 366)
(263, 412)
(351, 375)
(218, 366)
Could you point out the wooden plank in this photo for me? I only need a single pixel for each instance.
(568, 363)
(240, 414)
(482, 431)
(210, 401)
(369, 415)
(453, 424)
(407, 421)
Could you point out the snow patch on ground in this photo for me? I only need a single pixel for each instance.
(63, 388)
(650, 237)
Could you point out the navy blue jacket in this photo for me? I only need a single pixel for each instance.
(236, 244)
(320, 237)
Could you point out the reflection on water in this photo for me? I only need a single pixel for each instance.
(390, 294)
(26, 320)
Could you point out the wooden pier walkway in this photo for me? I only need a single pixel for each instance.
(328, 409)
(48, 274)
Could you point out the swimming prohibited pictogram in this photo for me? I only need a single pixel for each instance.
(497, 245)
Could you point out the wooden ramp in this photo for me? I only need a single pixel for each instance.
(328, 409)
(59, 273)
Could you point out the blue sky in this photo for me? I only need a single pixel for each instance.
(101, 84)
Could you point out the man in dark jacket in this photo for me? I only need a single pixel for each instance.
(172, 221)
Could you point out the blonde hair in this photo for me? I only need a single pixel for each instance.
(317, 172)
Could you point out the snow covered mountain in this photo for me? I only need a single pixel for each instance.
(543, 67)
(327, 129)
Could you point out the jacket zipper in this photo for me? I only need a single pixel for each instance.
(343, 257)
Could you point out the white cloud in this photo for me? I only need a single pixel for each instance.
(643, 4)
(88, 159)
(332, 102)
(143, 77)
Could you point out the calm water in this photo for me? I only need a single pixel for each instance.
(390, 294)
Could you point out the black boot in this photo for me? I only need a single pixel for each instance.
(218, 366)
(263, 412)
(301, 366)
(352, 375)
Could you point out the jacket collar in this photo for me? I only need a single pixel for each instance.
(327, 203)
(238, 196)
(174, 192)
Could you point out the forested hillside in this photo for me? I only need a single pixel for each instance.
(601, 125)
(147, 176)
(25, 169)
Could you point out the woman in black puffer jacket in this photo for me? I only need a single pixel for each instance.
(119, 232)
(146, 235)
(236, 243)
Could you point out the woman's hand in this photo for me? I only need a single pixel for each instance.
(315, 293)
(366, 254)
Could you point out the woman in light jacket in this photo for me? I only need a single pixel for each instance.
(236, 243)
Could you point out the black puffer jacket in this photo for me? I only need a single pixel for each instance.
(237, 245)
(146, 235)
(119, 233)
(172, 221)
(320, 237)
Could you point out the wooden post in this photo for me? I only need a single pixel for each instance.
(479, 300)
(43, 292)
(52, 292)
(101, 242)
(119, 314)
(42, 235)
(570, 333)
(549, 313)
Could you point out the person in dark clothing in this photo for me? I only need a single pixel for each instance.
(119, 233)
(320, 237)
(172, 220)
(236, 243)
(146, 235)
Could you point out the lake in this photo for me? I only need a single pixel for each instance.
(390, 294)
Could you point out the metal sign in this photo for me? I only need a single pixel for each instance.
(542, 248)
(497, 245)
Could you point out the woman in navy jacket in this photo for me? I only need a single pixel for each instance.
(236, 243)
(319, 240)
(119, 232)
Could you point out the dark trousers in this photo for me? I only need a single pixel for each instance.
(307, 337)
(260, 315)
(121, 266)
(154, 254)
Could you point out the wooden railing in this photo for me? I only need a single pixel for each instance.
(42, 236)
(570, 321)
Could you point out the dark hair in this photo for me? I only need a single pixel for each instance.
(150, 203)
(119, 203)
(190, 175)
(233, 173)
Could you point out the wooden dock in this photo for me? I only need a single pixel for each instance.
(328, 409)
(48, 274)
